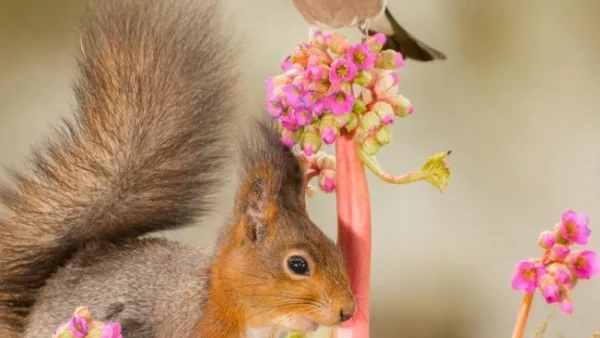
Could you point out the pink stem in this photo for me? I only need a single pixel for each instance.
(354, 232)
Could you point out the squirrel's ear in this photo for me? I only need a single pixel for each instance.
(256, 207)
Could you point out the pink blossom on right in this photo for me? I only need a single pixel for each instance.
(584, 264)
(573, 227)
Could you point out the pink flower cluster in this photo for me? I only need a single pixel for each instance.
(560, 268)
(330, 85)
(81, 325)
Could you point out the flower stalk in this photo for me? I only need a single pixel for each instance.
(354, 231)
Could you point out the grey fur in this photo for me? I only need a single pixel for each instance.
(144, 153)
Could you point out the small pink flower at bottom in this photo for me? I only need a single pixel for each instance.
(527, 276)
(111, 330)
(574, 227)
(342, 70)
(327, 180)
(339, 102)
(78, 326)
(550, 293)
(584, 264)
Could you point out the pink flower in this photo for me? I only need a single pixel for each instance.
(288, 121)
(342, 70)
(327, 180)
(560, 252)
(319, 107)
(527, 276)
(78, 326)
(274, 106)
(303, 116)
(584, 264)
(111, 330)
(339, 102)
(309, 98)
(574, 227)
(316, 73)
(547, 240)
(292, 93)
(362, 56)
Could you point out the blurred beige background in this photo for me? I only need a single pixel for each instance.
(517, 101)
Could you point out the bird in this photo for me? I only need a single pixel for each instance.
(371, 17)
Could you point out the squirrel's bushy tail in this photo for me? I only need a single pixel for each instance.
(144, 151)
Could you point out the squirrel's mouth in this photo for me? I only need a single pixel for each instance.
(300, 323)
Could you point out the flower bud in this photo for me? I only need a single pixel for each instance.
(311, 142)
(547, 240)
(560, 252)
(383, 135)
(352, 122)
(370, 121)
(370, 145)
(359, 107)
(337, 43)
(327, 128)
(366, 96)
(363, 78)
(402, 107)
(386, 84)
(327, 180)
(289, 138)
(385, 111)
(318, 40)
(376, 42)
(325, 161)
(389, 59)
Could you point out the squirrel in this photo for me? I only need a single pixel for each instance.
(146, 151)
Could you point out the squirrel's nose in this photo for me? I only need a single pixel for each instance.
(346, 314)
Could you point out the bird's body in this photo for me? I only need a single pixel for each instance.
(335, 14)
(370, 16)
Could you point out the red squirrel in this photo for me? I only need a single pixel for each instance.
(145, 152)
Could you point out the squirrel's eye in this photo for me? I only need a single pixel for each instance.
(298, 265)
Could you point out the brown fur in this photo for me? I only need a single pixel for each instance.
(144, 154)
